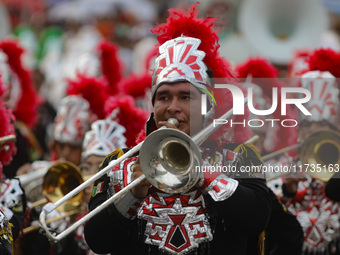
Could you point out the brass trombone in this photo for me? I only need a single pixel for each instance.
(319, 155)
(168, 158)
(60, 179)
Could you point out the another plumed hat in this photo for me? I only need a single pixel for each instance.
(139, 87)
(83, 105)
(93, 90)
(127, 114)
(111, 65)
(320, 80)
(298, 64)
(104, 137)
(263, 76)
(188, 51)
(72, 121)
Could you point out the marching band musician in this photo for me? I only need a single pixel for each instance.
(284, 233)
(221, 214)
(305, 196)
(105, 136)
(12, 196)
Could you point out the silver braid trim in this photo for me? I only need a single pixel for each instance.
(222, 188)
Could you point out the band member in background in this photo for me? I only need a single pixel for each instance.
(284, 233)
(105, 136)
(214, 216)
(12, 196)
(304, 195)
(22, 98)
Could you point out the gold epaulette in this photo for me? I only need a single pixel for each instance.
(113, 155)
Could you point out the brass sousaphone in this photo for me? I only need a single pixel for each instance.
(275, 29)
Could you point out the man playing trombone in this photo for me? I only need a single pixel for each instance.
(219, 213)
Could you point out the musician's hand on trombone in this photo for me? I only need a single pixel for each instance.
(140, 190)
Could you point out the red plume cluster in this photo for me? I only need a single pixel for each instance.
(92, 89)
(26, 108)
(188, 24)
(111, 65)
(128, 115)
(325, 60)
(264, 74)
(6, 128)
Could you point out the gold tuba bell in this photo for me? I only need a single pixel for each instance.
(320, 154)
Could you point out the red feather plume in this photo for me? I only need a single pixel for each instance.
(6, 128)
(26, 108)
(264, 75)
(128, 115)
(136, 85)
(92, 89)
(111, 65)
(188, 24)
(325, 60)
(257, 68)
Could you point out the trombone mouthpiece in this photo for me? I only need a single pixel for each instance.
(173, 121)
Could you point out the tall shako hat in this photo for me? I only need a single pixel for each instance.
(320, 80)
(80, 108)
(188, 49)
(104, 137)
(72, 121)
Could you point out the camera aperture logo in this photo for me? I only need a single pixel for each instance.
(302, 96)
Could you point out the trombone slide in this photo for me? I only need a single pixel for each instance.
(52, 206)
(114, 198)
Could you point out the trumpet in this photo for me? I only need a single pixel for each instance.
(168, 158)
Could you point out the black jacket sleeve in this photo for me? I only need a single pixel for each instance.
(248, 209)
(109, 224)
(284, 234)
(332, 188)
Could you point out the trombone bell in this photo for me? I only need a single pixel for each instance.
(169, 158)
(320, 154)
(60, 179)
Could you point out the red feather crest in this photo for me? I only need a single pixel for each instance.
(128, 115)
(93, 90)
(325, 60)
(257, 68)
(188, 24)
(6, 128)
(136, 85)
(26, 108)
(111, 65)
